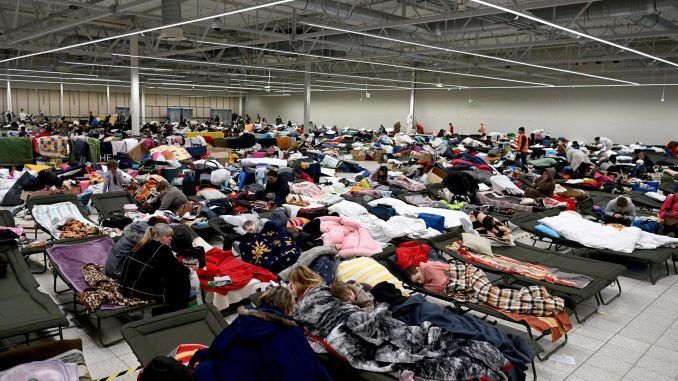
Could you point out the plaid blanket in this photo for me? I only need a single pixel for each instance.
(468, 283)
(53, 146)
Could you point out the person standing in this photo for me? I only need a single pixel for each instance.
(669, 213)
(605, 143)
(483, 131)
(113, 178)
(523, 146)
(22, 116)
(451, 129)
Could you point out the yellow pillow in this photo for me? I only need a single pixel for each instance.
(367, 270)
(37, 167)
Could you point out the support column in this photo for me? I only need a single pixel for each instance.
(307, 99)
(134, 106)
(108, 100)
(241, 109)
(9, 96)
(410, 116)
(61, 99)
(143, 105)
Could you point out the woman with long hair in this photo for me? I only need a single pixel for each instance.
(152, 272)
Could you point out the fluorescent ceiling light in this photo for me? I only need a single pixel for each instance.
(267, 68)
(578, 34)
(51, 72)
(360, 84)
(71, 83)
(116, 66)
(467, 53)
(142, 31)
(376, 63)
(61, 78)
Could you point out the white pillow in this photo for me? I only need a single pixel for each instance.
(211, 194)
(348, 209)
(477, 243)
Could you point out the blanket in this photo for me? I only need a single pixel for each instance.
(51, 217)
(395, 227)
(453, 218)
(490, 227)
(416, 310)
(221, 263)
(308, 257)
(573, 226)
(375, 341)
(16, 150)
(103, 290)
(348, 236)
(271, 248)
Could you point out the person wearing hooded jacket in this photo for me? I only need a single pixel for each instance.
(261, 344)
(544, 186)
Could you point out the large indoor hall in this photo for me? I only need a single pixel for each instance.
(316, 190)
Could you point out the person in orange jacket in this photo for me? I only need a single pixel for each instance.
(523, 146)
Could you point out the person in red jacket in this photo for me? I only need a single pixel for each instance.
(522, 147)
(669, 213)
(451, 129)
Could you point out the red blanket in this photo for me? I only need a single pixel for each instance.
(221, 262)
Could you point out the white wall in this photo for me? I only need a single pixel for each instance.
(624, 114)
(336, 108)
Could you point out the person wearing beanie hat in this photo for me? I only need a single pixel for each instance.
(669, 213)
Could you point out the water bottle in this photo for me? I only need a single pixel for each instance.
(196, 294)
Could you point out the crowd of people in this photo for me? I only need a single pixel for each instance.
(289, 220)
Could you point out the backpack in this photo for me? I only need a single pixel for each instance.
(188, 184)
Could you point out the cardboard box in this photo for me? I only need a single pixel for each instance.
(138, 153)
(358, 154)
(222, 155)
(421, 157)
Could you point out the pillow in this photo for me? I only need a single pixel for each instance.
(543, 229)
(477, 244)
(348, 209)
(367, 270)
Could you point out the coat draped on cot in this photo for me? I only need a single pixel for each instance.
(377, 342)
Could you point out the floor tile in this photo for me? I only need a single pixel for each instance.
(106, 368)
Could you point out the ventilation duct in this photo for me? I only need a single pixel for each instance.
(171, 14)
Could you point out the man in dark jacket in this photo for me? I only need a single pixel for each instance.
(277, 188)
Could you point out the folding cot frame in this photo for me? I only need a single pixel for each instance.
(595, 287)
(527, 223)
(462, 308)
(23, 277)
(99, 313)
(107, 204)
(31, 202)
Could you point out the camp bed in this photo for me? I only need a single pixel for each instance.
(641, 200)
(649, 257)
(667, 184)
(32, 202)
(25, 310)
(69, 269)
(160, 335)
(465, 307)
(110, 204)
(601, 274)
(39, 352)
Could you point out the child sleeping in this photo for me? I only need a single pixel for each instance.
(353, 293)
(465, 282)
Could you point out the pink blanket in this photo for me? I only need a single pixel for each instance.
(348, 236)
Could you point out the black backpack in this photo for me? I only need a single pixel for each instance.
(188, 184)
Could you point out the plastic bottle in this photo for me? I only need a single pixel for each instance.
(196, 293)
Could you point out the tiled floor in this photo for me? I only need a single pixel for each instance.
(634, 338)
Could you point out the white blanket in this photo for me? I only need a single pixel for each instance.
(501, 183)
(397, 226)
(572, 226)
(52, 217)
(452, 217)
